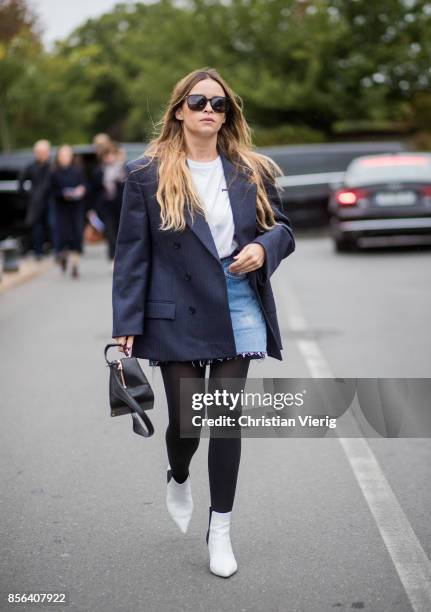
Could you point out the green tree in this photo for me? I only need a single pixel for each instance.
(41, 94)
(304, 69)
(19, 41)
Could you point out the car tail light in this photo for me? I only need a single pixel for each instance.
(426, 191)
(350, 197)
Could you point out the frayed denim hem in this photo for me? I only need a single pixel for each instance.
(260, 355)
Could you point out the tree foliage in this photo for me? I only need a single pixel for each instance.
(305, 70)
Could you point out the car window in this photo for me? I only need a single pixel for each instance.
(371, 170)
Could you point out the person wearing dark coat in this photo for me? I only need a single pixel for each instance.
(108, 184)
(201, 232)
(34, 182)
(68, 187)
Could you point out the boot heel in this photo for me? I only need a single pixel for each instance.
(209, 523)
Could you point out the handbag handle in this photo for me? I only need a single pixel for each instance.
(123, 394)
(107, 347)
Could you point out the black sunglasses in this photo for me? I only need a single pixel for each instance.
(197, 102)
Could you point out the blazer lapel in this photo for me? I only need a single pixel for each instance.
(202, 230)
(242, 197)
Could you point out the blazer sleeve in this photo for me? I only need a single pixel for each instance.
(279, 241)
(132, 260)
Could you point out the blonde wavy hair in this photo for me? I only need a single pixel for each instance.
(175, 186)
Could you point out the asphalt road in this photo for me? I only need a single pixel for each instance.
(317, 525)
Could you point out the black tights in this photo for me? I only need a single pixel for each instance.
(224, 453)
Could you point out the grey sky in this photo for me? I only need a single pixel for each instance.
(60, 17)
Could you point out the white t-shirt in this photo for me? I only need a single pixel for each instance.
(209, 181)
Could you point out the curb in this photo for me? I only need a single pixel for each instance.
(28, 269)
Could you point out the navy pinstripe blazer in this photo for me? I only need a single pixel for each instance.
(169, 288)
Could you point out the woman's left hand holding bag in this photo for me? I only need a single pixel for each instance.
(125, 344)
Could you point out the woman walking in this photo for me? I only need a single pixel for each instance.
(201, 233)
(68, 189)
(108, 181)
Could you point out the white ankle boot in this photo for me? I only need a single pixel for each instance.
(222, 560)
(179, 500)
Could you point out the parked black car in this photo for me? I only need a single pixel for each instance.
(383, 200)
(308, 172)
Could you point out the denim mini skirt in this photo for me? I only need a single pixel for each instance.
(248, 322)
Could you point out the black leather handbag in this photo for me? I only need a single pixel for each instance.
(130, 392)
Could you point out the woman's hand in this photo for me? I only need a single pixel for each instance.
(126, 343)
(74, 193)
(80, 191)
(250, 258)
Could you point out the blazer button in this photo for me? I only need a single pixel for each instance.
(187, 277)
(192, 310)
(177, 245)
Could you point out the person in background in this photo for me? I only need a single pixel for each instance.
(34, 181)
(107, 182)
(68, 187)
(102, 142)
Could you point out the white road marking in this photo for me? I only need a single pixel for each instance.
(309, 348)
(410, 560)
(314, 358)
